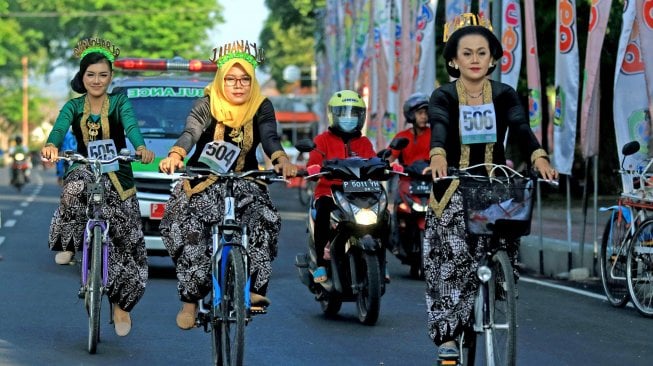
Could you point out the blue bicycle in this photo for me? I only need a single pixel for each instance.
(95, 248)
(228, 308)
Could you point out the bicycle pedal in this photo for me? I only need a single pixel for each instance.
(258, 310)
(448, 362)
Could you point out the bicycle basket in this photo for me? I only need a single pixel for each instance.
(501, 205)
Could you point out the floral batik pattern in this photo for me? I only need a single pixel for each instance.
(128, 269)
(186, 233)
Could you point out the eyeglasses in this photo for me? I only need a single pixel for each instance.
(231, 81)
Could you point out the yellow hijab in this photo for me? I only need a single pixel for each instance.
(233, 115)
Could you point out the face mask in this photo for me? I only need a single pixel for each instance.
(348, 124)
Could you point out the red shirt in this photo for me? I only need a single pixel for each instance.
(417, 149)
(335, 148)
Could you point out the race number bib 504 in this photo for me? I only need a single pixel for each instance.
(104, 150)
(478, 124)
(219, 155)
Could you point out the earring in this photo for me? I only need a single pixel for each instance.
(491, 64)
(455, 66)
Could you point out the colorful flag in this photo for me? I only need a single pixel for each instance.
(425, 37)
(533, 71)
(566, 82)
(645, 24)
(630, 105)
(589, 115)
(511, 39)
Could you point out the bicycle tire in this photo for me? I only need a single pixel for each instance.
(93, 295)
(368, 300)
(501, 332)
(639, 269)
(612, 261)
(233, 311)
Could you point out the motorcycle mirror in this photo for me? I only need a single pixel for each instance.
(630, 148)
(305, 145)
(384, 154)
(399, 143)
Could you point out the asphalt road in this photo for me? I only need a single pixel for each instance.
(43, 322)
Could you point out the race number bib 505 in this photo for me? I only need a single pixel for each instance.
(104, 150)
(219, 155)
(478, 124)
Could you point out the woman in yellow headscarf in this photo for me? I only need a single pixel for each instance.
(232, 111)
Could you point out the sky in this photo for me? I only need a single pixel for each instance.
(243, 21)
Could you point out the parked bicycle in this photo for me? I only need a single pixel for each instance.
(227, 309)
(626, 256)
(499, 206)
(95, 248)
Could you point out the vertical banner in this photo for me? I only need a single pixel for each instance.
(359, 56)
(452, 8)
(511, 39)
(425, 37)
(589, 114)
(645, 24)
(630, 105)
(533, 71)
(484, 9)
(406, 55)
(566, 81)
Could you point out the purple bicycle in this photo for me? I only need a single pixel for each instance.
(95, 250)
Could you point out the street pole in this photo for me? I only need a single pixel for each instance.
(497, 7)
(25, 131)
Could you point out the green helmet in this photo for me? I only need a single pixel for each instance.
(346, 111)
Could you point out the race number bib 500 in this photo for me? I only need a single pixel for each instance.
(219, 155)
(104, 150)
(478, 124)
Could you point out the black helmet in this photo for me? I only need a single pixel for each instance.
(19, 140)
(414, 103)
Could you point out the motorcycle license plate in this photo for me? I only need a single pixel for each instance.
(157, 210)
(361, 186)
(420, 187)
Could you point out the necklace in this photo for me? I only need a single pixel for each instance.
(473, 96)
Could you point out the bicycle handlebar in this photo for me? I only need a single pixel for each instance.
(456, 173)
(78, 158)
(268, 175)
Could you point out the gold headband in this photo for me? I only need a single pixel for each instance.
(103, 46)
(238, 49)
(462, 21)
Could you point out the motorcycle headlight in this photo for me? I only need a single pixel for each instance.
(365, 216)
(19, 156)
(418, 207)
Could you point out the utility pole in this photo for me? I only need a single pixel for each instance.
(497, 8)
(25, 103)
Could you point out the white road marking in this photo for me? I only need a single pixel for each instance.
(568, 289)
(18, 212)
(10, 223)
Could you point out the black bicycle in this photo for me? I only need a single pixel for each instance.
(498, 205)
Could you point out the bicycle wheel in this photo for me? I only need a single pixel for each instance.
(612, 260)
(93, 295)
(369, 292)
(232, 309)
(639, 269)
(501, 328)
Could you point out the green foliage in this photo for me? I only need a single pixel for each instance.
(288, 35)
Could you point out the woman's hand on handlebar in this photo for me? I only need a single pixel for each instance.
(50, 153)
(147, 156)
(172, 162)
(545, 169)
(438, 167)
(285, 167)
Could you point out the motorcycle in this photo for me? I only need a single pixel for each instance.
(359, 234)
(20, 169)
(410, 217)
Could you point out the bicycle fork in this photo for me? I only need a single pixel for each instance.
(87, 253)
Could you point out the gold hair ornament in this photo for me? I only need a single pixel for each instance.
(238, 49)
(103, 46)
(462, 21)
